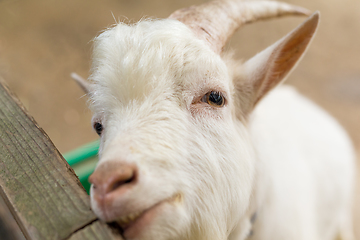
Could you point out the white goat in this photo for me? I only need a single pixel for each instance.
(191, 148)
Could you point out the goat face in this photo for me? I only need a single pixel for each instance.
(173, 161)
(176, 161)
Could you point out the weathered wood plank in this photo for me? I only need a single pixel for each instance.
(96, 231)
(40, 188)
(9, 230)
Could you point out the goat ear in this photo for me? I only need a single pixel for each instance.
(270, 67)
(86, 86)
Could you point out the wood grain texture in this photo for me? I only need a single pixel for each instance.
(38, 186)
(96, 231)
(9, 230)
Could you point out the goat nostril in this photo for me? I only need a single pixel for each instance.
(121, 180)
(111, 176)
(130, 180)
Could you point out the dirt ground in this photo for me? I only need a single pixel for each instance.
(43, 41)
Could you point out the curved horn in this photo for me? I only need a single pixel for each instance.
(216, 21)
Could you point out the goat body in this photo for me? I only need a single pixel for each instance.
(305, 169)
(193, 147)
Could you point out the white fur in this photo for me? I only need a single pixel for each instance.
(306, 169)
(291, 163)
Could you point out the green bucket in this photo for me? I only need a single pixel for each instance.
(83, 160)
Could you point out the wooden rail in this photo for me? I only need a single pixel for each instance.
(40, 195)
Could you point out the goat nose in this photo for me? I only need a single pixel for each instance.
(113, 176)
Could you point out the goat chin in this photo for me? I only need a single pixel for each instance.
(197, 146)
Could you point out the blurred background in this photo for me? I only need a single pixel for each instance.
(43, 41)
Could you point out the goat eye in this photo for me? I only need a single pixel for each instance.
(215, 99)
(98, 128)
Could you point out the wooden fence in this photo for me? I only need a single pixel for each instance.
(40, 195)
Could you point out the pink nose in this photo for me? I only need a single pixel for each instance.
(113, 178)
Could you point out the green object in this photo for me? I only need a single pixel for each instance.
(82, 153)
(83, 160)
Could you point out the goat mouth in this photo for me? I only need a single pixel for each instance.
(132, 224)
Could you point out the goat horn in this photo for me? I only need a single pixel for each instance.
(216, 21)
